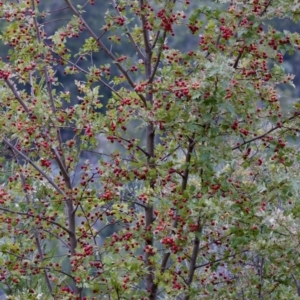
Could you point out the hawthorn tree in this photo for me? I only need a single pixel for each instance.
(184, 184)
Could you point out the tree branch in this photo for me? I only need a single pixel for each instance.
(193, 260)
(58, 189)
(105, 49)
(36, 233)
(235, 65)
(158, 58)
(86, 72)
(266, 133)
(145, 31)
(138, 147)
(139, 51)
(156, 39)
(34, 216)
(49, 89)
(39, 39)
(184, 182)
(297, 284)
(17, 95)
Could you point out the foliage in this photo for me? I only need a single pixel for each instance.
(185, 185)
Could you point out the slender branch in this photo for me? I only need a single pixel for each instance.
(59, 271)
(57, 237)
(169, 154)
(62, 168)
(60, 160)
(273, 289)
(216, 240)
(150, 149)
(184, 182)
(158, 58)
(55, 20)
(59, 9)
(75, 65)
(19, 257)
(41, 254)
(9, 144)
(36, 233)
(145, 31)
(163, 265)
(68, 202)
(188, 160)
(261, 267)
(266, 7)
(88, 222)
(265, 134)
(34, 216)
(235, 65)
(215, 261)
(193, 260)
(138, 147)
(297, 284)
(105, 49)
(17, 95)
(156, 39)
(128, 33)
(103, 228)
(39, 39)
